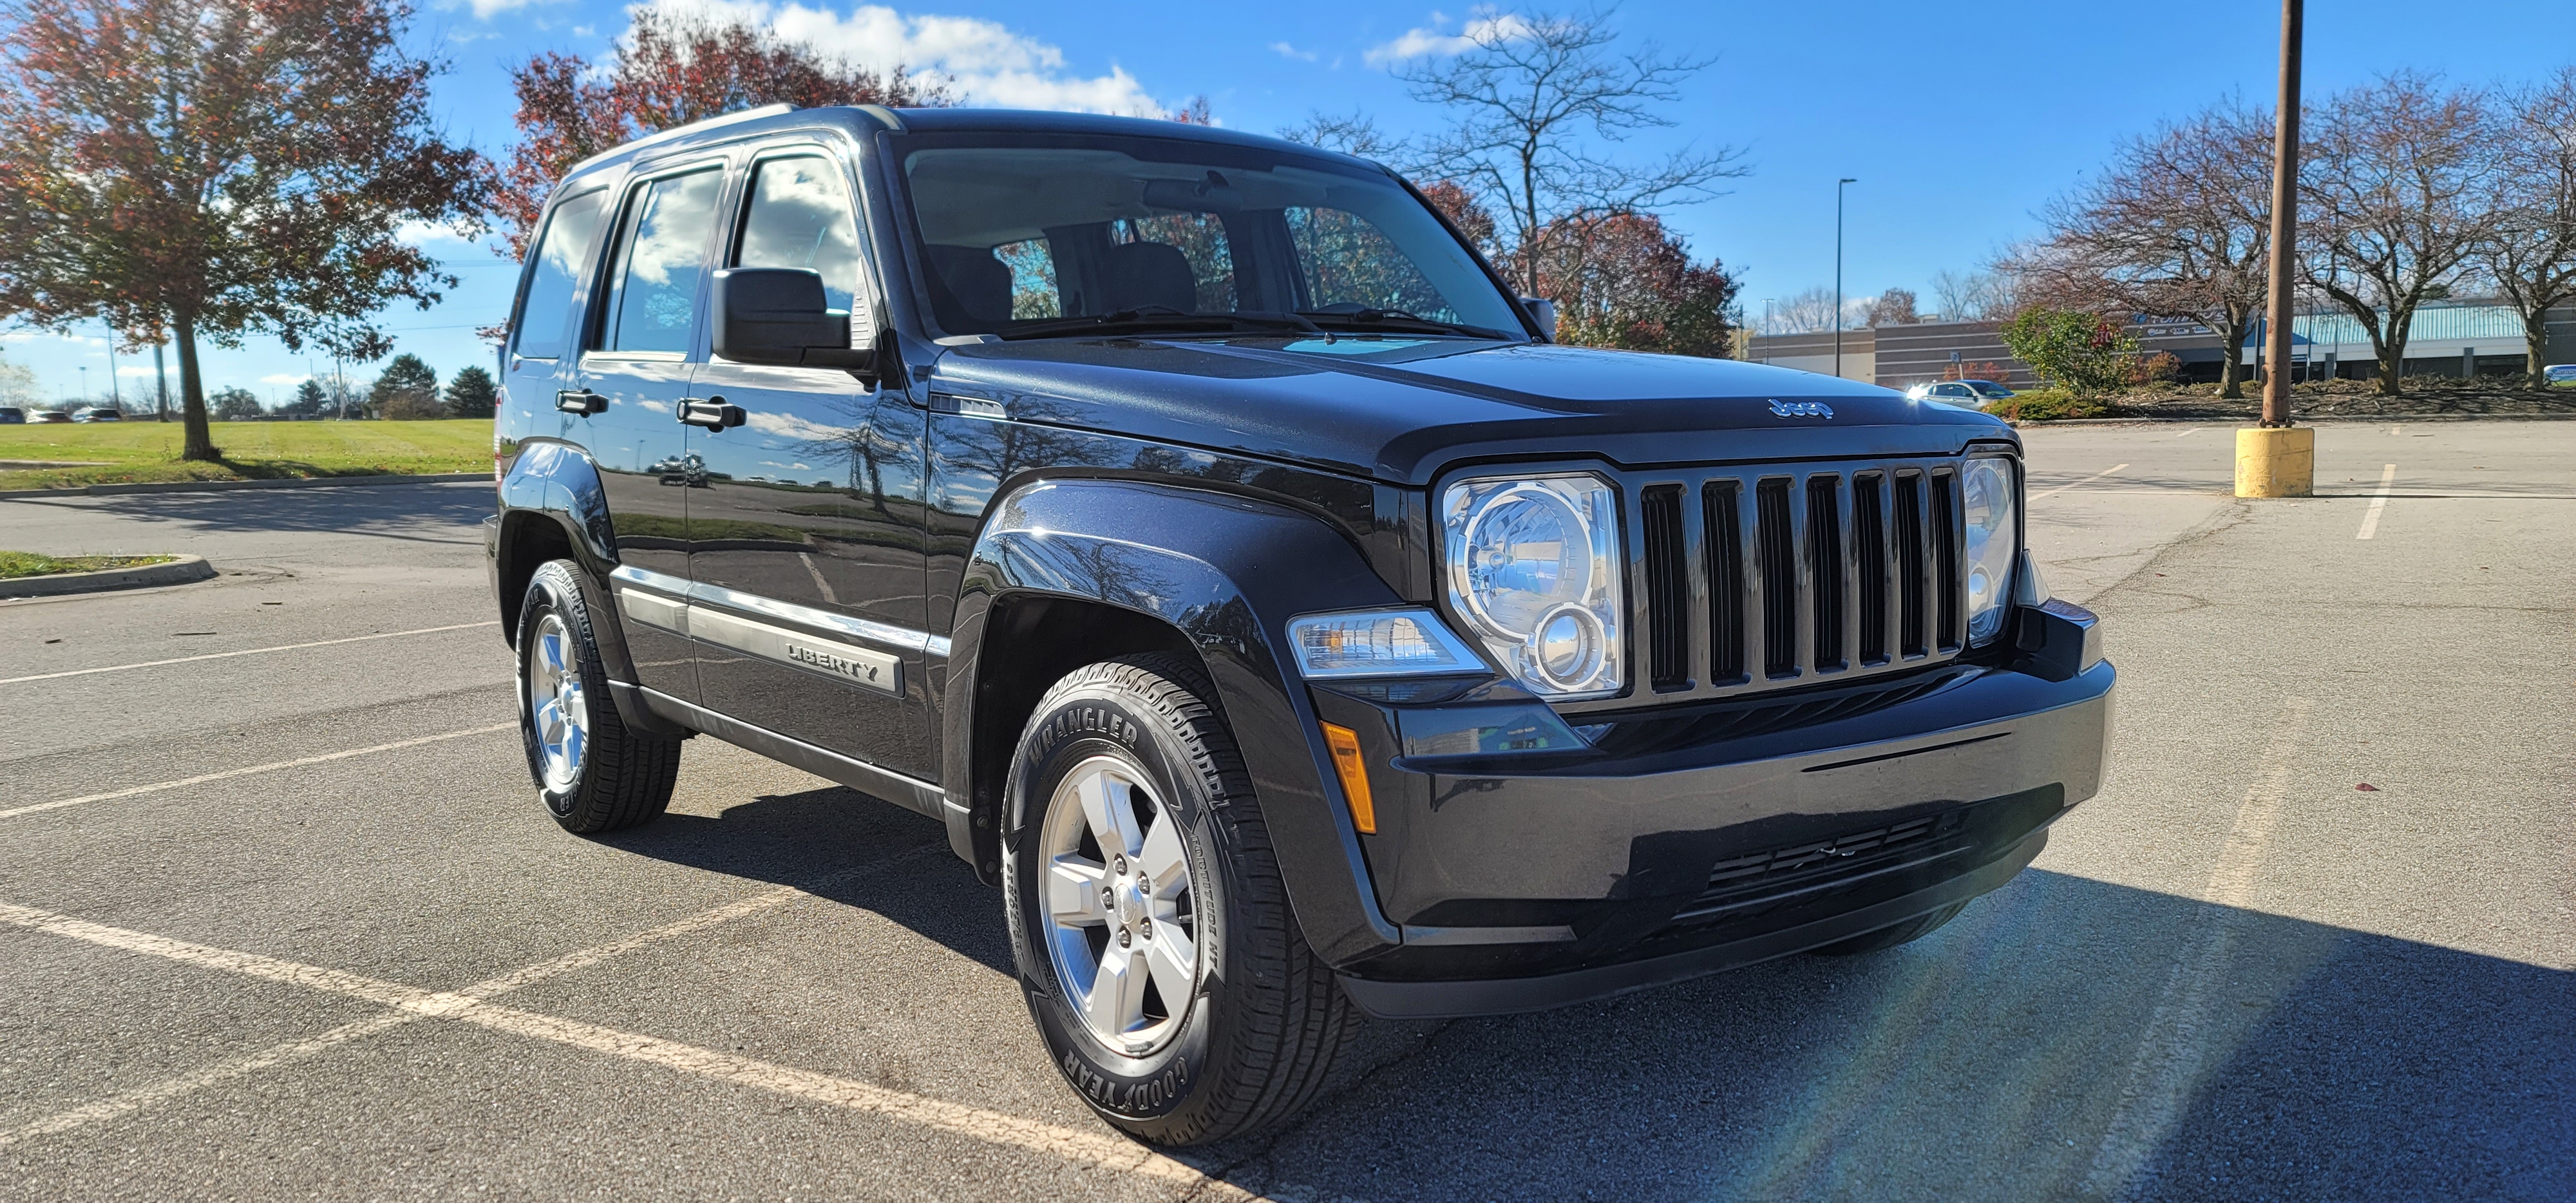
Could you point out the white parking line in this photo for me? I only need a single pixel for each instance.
(250, 651)
(130, 1101)
(229, 774)
(1088, 1149)
(2193, 431)
(2086, 481)
(2378, 502)
(2177, 1040)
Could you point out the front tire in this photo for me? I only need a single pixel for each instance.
(1151, 930)
(594, 773)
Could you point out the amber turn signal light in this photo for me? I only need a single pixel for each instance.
(1345, 746)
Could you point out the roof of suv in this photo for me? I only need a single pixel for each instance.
(869, 119)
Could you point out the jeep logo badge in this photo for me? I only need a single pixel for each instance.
(1801, 409)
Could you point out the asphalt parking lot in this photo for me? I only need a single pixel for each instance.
(280, 915)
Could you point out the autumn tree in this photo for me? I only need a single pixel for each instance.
(1624, 281)
(670, 70)
(471, 393)
(2392, 184)
(1894, 307)
(235, 404)
(1523, 96)
(2529, 253)
(2176, 226)
(212, 169)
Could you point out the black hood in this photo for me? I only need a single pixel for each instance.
(1402, 409)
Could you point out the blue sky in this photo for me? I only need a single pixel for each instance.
(1959, 120)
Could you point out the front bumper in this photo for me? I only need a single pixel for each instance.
(1672, 845)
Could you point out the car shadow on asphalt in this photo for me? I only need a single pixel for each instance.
(842, 846)
(2065, 1037)
(425, 513)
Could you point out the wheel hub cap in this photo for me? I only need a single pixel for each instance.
(557, 707)
(1121, 920)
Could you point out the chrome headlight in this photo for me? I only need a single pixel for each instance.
(1534, 574)
(1991, 489)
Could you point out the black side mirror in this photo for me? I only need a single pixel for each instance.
(776, 315)
(1542, 311)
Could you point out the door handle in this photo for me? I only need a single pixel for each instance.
(714, 413)
(580, 401)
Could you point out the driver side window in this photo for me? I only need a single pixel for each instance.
(799, 215)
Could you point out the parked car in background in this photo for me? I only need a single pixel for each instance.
(11, 415)
(1975, 394)
(48, 415)
(2559, 373)
(97, 413)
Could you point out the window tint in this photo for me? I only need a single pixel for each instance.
(1348, 262)
(546, 312)
(652, 302)
(799, 216)
(1200, 238)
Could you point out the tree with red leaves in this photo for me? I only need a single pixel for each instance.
(217, 168)
(1625, 281)
(671, 71)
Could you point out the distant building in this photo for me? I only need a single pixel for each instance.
(2454, 339)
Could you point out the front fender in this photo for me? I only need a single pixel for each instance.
(1228, 573)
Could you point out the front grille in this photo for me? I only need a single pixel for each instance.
(1832, 571)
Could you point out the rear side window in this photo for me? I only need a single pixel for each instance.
(546, 313)
(662, 250)
(799, 216)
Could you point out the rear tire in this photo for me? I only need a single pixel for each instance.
(1889, 937)
(594, 773)
(1160, 961)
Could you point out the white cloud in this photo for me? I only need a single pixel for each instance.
(485, 10)
(29, 336)
(133, 371)
(1484, 29)
(422, 233)
(284, 378)
(1287, 51)
(984, 60)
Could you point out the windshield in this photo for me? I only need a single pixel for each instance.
(1063, 237)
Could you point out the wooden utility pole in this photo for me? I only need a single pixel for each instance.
(2285, 221)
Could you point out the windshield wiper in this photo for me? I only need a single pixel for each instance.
(1382, 318)
(1165, 317)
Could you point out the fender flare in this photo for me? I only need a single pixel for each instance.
(557, 484)
(1227, 573)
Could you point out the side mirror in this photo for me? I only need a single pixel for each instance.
(1542, 311)
(776, 315)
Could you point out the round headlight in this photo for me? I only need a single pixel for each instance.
(1987, 503)
(1528, 553)
(1566, 648)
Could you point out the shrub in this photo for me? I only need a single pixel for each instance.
(2159, 368)
(1987, 370)
(2084, 353)
(2046, 405)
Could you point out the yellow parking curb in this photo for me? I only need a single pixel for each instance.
(2277, 461)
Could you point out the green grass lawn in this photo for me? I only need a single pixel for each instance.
(15, 564)
(149, 451)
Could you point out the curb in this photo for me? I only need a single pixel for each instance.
(2302, 420)
(180, 571)
(219, 486)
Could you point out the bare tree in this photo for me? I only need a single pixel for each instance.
(1353, 133)
(1523, 92)
(1984, 296)
(2178, 226)
(1803, 313)
(2530, 250)
(2392, 195)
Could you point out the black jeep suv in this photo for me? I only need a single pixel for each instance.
(1198, 527)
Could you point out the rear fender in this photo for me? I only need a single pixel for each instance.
(1227, 573)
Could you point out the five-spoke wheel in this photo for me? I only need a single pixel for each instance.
(1118, 905)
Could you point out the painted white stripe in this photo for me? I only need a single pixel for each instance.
(130, 1101)
(2378, 502)
(2193, 431)
(2086, 481)
(252, 651)
(229, 774)
(2178, 1037)
(1088, 1149)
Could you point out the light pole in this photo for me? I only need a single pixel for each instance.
(1838, 273)
(2273, 457)
(84, 384)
